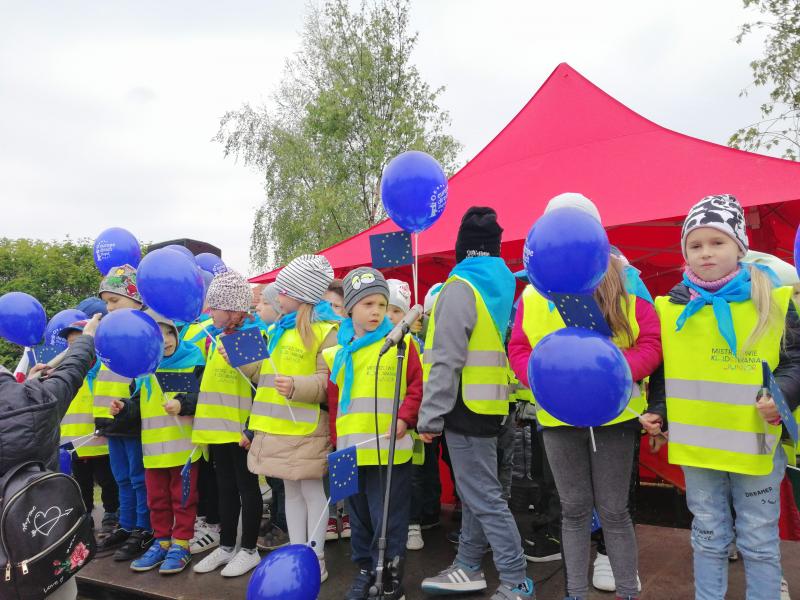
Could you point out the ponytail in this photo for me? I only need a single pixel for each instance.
(769, 315)
(303, 324)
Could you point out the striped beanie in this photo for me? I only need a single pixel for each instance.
(229, 291)
(306, 278)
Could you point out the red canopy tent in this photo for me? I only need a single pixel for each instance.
(572, 136)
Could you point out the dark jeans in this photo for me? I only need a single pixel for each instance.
(547, 510)
(208, 503)
(278, 511)
(366, 513)
(91, 470)
(238, 491)
(426, 489)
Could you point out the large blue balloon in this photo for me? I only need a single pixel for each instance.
(182, 249)
(171, 284)
(211, 263)
(288, 573)
(207, 278)
(59, 321)
(129, 342)
(566, 252)
(22, 319)
(797, 251)
(580, 377)
(414, 190)
(116, 247)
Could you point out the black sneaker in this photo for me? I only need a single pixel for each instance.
(359, 590)
(109, 523)
(136, 545)
(394, 591)
(113, 541)
(541, 547)
(453, 536)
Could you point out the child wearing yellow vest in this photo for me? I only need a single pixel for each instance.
(166, 419)
(354, 401)
(288, 417)
(717, 326)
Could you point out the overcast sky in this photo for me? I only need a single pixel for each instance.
(107, 109)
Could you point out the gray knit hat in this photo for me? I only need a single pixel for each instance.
(306, 278)
(362, 282)
(121, 281)
(162, 320)
(270, 296)
(723, 213)
(229, 291)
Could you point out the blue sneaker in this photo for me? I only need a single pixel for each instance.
(523, 591)
(154, 556)
(177, 560)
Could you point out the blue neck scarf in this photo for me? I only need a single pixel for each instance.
(92, 374)
(186, 355)
(323, 311)
(496, 284)
(211, 332)
(736, 290)
(344, 357)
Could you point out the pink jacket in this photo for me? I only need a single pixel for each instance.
(643, 358)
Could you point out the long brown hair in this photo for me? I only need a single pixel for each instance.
(614, 300)
(303, 324)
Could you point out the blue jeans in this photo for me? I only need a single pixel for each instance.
(756, 500)
(128, 469)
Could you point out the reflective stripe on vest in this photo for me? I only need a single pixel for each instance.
(109, 386)
(484, 379)
(357, 425)
(78, 422)
(166, 440)
(223, 404)
(711, 394)
(538, 321)
(271, 411)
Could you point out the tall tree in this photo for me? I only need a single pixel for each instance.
(350, 100)
(779, 127)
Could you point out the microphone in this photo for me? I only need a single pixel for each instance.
(401, 329)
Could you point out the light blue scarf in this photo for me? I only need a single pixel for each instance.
(92, 374)
(496, 284)
(344, 357)
(323, 311)
(186, 355)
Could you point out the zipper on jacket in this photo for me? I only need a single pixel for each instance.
(24, 566)
(8, 571)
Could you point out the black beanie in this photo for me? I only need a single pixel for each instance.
(479, 233)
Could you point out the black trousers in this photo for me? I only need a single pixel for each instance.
(208, 502)
(426, 488)
(91, 470)
(238, 491)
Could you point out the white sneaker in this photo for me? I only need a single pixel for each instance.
(603, 576)
(240, 564)
(204, 539)
(323, 571)
(415, 541)
(213, 561)
(785, 589)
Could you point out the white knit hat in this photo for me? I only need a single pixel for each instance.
(229, 291)
(573, 200)
(270, 295)
(306, 278)
(399, 294)
(430, 297)
(786, 273)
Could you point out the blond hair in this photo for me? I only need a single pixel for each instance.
(614, 302)
(303, 323)
(769, 314)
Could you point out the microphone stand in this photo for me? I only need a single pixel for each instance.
(376, 591)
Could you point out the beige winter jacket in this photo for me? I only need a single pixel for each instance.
(296, 457)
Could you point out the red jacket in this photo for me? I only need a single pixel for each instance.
(409, 407)
(643, 357)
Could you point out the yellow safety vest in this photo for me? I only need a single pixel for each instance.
(166, 439)
(78, 422)
(107, 387)
(711, 394)
(356, 427)
(274, 414)
(538, 321)
(484, 378)
(518, 392)
(193, 330)
(224, 402)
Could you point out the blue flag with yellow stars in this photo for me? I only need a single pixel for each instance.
(186, 481)
(343, 473)
(391, 249)
(245, 347)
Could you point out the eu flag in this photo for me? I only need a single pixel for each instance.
(343, 473)
(245, 347)
(178, 382)
(581, 310)
(186, 481)
(391, 249)
(780, 402)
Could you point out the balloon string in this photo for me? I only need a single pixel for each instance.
(415, 268)
(35, 361)
(311, 543)
(591, 436)
(86, 439)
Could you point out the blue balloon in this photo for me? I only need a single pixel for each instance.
(64, 461)
(580, 377)
(288, 573)
(116, 247)
(211, 263)
(207, 278)
(414, 190)
(59, 321)
(797, 251)
(129, 342)
(171, 284)
(182, 249)
(566, 252)
(22, 319)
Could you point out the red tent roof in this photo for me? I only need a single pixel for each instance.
(573, 137)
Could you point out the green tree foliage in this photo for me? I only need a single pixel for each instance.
(350, 100)
(57, 274)
(779, 127)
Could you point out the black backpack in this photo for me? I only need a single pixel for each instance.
(45, 532)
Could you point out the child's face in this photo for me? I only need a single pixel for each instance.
(368, 313)
(395, 314)
(711, 254)
(337, 302)
(72, 336)
(288, 304)
(223, 318)
(796, 294)
(266, 312)
(116, 301)
(170, 341)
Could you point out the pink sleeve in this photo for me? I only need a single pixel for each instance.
(519, 348)
(645, 355)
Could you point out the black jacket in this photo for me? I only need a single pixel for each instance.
(31, 412)
(787, 373)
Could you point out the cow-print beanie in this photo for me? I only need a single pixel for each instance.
(722, 212)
